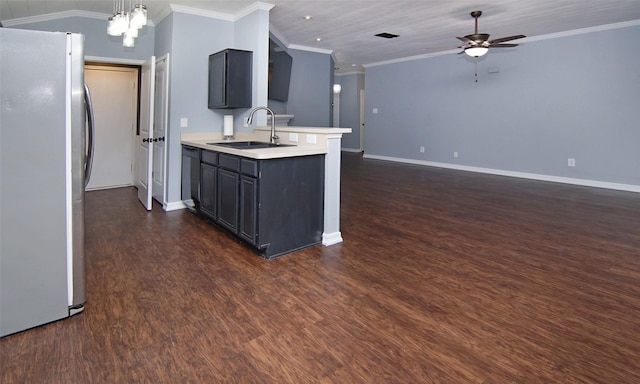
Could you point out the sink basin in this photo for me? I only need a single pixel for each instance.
(250, 144)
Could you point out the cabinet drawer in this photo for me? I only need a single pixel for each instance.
(210, 157)
(229, 162)
(249, 167)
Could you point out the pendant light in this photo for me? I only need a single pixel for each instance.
(127, 23)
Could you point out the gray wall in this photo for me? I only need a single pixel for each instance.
(192, 40)
(310, 90)
(97, 42)
(351, 85)
(569, 97)
(310, 98)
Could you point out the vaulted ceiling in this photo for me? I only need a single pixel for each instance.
(347, 28)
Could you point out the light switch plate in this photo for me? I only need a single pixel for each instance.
(293, 137)
(184, 122)
(311, 139)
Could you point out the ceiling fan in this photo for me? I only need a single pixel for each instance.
(478, 44)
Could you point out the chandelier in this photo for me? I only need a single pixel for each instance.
(127, 23)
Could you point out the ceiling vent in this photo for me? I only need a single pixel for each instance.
(387, 35)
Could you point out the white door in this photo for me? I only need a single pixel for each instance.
(145, 149)
(362, 120)
(160, 128)
(114, 92)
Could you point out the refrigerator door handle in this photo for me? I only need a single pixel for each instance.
(90, 133)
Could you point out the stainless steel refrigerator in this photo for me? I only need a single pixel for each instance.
(44, 163)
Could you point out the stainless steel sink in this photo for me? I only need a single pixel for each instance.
(250, 144)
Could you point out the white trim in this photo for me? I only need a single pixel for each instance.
(257, 6)
(173, 206)
(581, 31)
(201, 12)
(278, 35)
(411, 58)
(310, 49)
(329, 239)
(522, 175)
(556, 35)
(113, 60)
(354, 150)
(354, 72)
(54, 16)
(59, 15)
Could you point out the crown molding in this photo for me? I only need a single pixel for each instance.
(54, 16)
(310, 49)
(257, 6)
(200, 12)
(354, 72)
(581, 31)
(411, 58)
(573, 32)
(278, 35)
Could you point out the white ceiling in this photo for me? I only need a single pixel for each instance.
(347, 27)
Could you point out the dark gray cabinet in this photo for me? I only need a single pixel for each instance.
(191, 177)
(228, 187)
(230, 74)
(228, 199)
(209, 184)
(274, 205)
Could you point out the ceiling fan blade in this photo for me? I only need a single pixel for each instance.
(463, 39)
(508, 38)
(503, 45)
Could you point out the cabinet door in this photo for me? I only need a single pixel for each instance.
(248, 209)
(217, 80)
(208, 189)
(228, 196)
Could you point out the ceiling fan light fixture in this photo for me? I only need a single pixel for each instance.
(476, 51)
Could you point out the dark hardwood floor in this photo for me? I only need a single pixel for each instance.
(443, 277)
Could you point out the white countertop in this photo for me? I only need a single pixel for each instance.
(261, 153)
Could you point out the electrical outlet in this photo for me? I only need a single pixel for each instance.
(455, 154)
(293, 137)
(184, 122)
(422, 149)
(311, 139)
(571, 162)
(246, 122)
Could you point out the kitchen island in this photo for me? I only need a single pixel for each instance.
(276, 199)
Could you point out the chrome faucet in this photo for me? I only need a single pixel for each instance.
(273, 138)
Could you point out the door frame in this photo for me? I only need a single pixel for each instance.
(99, 60)
(132, 138)
(137, 62)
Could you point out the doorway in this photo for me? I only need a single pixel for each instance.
(114, 93)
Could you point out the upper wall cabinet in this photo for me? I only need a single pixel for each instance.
(230, 79)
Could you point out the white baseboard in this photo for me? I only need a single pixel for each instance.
(331, 238)
(522, 175)
(354, 150)
(174, 205)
